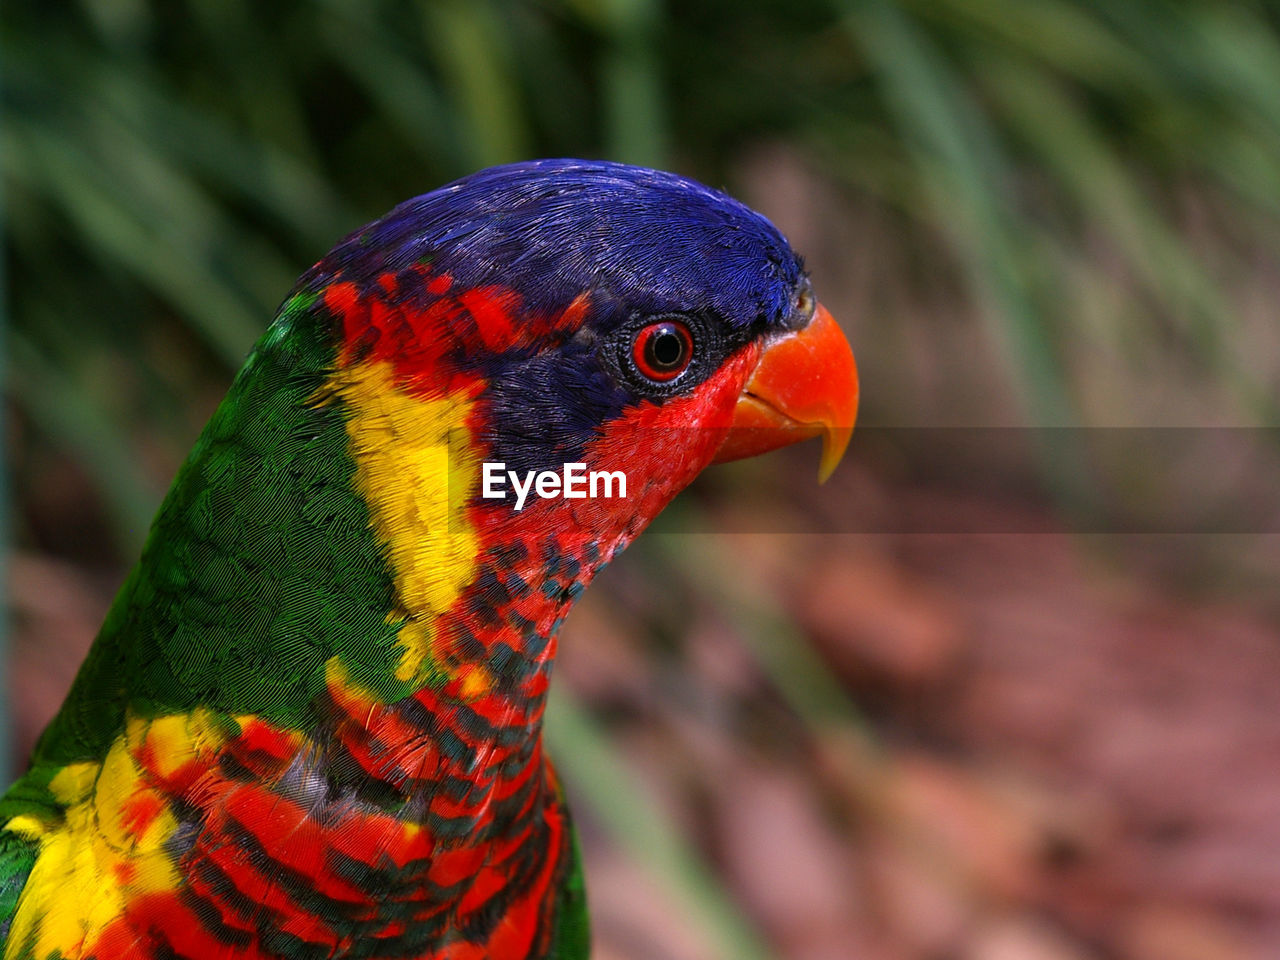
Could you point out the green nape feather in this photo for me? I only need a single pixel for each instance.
(259, 566)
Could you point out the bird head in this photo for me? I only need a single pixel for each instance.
(565, 311)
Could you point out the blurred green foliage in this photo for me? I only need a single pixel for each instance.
(169, 168)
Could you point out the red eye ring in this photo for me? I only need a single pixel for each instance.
(662, 351)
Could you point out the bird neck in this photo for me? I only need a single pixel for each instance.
(477, 591)
(324, 532)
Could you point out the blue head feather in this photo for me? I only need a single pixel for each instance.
(641, 242)
(551, 229)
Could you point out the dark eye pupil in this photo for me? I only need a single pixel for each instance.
(666, 348)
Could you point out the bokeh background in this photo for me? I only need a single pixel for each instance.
(1005, 688)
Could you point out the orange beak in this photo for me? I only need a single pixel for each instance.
(805, 385)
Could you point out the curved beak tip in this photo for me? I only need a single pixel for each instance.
(835, 441)
(804, 385)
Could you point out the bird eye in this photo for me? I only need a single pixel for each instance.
(663, 350)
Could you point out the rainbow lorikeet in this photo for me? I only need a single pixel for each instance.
(311, 724)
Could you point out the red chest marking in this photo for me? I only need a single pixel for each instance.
(271, 860)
